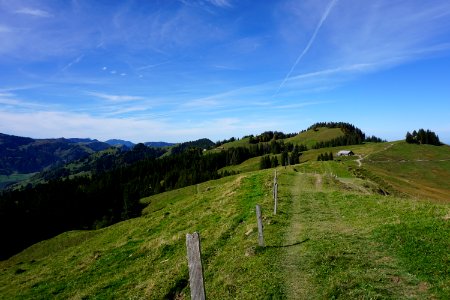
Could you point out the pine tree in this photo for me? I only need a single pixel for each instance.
(274, 162)
(409, 138)
(284, 158)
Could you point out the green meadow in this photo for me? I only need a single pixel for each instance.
(343, 230)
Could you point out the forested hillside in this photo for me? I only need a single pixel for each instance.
(27, 155)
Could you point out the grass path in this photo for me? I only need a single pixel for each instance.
(298, 285)
(331, 250)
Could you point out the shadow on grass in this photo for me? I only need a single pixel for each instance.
(261, 249)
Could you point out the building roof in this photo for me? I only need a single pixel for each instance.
(345, 152)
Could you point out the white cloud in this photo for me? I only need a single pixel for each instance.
(56, 124)
(34, 12)
(115, 98)
(11, 102)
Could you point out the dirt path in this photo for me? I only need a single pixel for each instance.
(360, 157)
(359, 160)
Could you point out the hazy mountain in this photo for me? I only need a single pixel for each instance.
(28, 155)
(117, 142)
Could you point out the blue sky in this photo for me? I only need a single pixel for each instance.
(182, 70)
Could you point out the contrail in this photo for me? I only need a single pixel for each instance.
(310, 42)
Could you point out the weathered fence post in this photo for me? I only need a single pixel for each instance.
(260, 226)
(275, 198)
(196, 281)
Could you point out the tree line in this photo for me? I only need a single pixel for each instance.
(352, 135)
(268, 136)
(325, 156)
(423, 137)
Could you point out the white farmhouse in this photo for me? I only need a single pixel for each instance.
(345, 153)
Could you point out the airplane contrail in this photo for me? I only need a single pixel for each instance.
(310, 42)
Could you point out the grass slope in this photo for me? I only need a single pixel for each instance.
(420, 171)
(145, 257)
(312, 136)
(363, 246)
(334, 236)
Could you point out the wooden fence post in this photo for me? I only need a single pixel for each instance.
(196, 281)
(260, 226)
(275, 198)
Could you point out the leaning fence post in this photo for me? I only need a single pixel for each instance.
(260, 226)
(196, 281)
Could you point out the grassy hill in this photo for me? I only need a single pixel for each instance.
(312, 136)
(336, 235)
(308, 138)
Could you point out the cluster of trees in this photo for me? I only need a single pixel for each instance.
(423, 137)
(287, 158)
(325, 156)
(346, 127)
(268, 161)
(374, 139)
(268, 136)
(220, 143)
(352, 138)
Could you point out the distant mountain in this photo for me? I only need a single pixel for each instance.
(78, 140)
(27, 155)
(117, 142)
(159, 144)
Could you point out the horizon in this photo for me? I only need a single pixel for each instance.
(177, 71)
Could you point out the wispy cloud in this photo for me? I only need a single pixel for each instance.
(35, 12)
(310, 42)
(12, 103)
(115, 98)
(302, 104)
(151, 66)
(73, 62)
